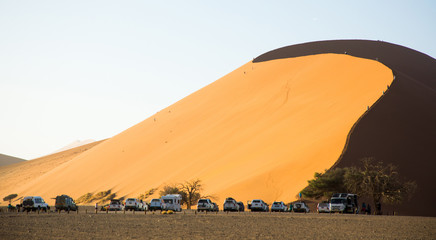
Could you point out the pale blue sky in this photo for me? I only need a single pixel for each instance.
(90, 69)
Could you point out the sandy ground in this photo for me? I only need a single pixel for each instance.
(189, 225)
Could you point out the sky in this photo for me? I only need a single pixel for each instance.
(77, 70)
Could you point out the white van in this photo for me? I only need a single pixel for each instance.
(172, 202)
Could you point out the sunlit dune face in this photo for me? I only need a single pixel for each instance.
(259, 132)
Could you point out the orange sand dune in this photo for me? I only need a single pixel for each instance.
(259, 132)
(13, 176)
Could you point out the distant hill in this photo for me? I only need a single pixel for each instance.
(7, 160)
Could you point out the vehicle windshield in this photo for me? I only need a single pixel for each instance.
(256, 201)
(338, 201)
(155, 200)
(115, 202)
(168, 200)
(229, 201)
(202, 201)
(130, 199)
(323, 205)
(276, 203)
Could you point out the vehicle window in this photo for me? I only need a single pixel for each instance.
(202, 201)
(338, 201)
(168, 200)
(256, 201)
(130, 199)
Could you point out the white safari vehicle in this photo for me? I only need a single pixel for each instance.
(259, 205)
(300, 206)
(32, 203)
(230, 204)
(156, 204)
(205, 205)
(133, 204)
(172, 202)
(343, 203)
(278, 207)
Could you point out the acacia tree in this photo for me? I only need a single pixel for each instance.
(379, 182)
(192, 190)
(325, 184)
(10, 197)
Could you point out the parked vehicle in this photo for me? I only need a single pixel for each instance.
(215, 208)
(230, 205)
(156, 204)
(278, 207)
(66, 203)
(32, 203)
(104, 207)
(259, 205)
(300, 207)
(204, 205)
(249, 205)
(172, 202)
(323, 207)
(343, 203)
(241, 206)
(116, 205)
(133, 204)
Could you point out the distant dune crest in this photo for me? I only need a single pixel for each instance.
(74, 144)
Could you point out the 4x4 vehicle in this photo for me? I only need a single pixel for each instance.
(32, 203)
(204, 204)
(156, 204)
(133, 204)
(230, 205)
(215, 207)
(259, 205)
(278, 207)
(241, 206)
(116, 205)
(66, 203)
(323, 207)
(343, 203)
(300, 207)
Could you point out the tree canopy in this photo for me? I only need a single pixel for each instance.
(376, 181)
(10, 197)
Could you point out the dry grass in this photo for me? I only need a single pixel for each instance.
(245, 225)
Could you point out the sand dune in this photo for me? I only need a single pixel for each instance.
(7, 160)
(259, 132)
(16, 175)
(400, 129)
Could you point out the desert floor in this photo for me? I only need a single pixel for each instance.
(189, 225)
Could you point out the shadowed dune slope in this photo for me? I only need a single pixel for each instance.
(259, 132)
(13, 176)
(399, 129)
(7, 160)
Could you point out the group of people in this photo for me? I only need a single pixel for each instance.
(366, 209)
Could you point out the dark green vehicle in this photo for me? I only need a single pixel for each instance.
(66, 203)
